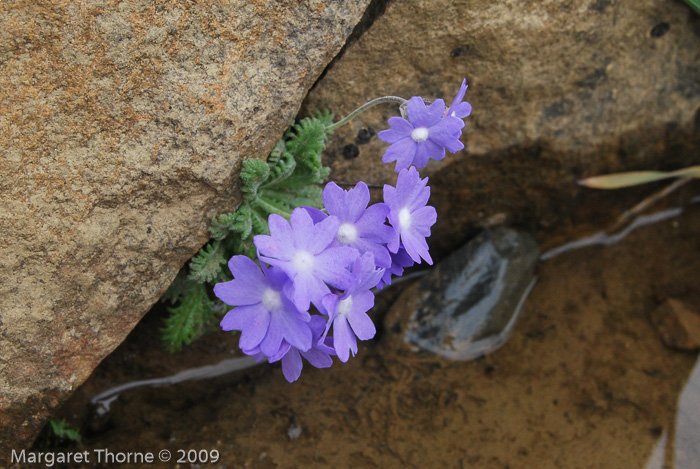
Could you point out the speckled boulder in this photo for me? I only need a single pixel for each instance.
(560, 90)
(122, 129)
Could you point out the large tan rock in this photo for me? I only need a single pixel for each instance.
(122, 130)
(560, 90)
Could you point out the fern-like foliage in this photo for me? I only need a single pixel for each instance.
(190, 318)
(290, 178)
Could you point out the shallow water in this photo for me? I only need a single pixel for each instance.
(584, 381)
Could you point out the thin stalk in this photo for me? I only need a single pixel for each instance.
(363, 108)
(623, 219)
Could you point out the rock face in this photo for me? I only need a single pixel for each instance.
(122, 130)
(560, 90)
(467, 306)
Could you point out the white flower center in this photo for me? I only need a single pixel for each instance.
(271, 300)
(404, 218)
(303, 261)
(347, 233)
(419, 135)
(344, 306)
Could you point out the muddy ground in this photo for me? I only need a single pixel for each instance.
(585, 381)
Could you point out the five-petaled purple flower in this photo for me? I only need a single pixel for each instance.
(347, 313)
(263, 313)
(301, 249)
(361, 227)
(409, 215)
(425, 135)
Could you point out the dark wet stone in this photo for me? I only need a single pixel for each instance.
(468, 305)
(350, 151)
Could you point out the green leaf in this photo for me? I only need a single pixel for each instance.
(236, 222)
(633, 178)
(694, 4)
(253, 174)
(61, 429)
(189, 319)
(206, 265)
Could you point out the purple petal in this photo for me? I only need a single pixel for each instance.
(416, 247)
(317, 324)
(423, 154)
(331, 265)
(242, 266)
(252, 321)
(272, 247)
(323, 234)
(318, 358)
(280, 231)
(402, 152)
(416, 110)
(435, 151)
(357, 200)
(433, 114)
(362, 325)
(316, 215)
(458, 108)
(460, 94)
(344, 340)
(381, 254)
(276, 277)
(247, 286)
(443, 134)
(295, 331)
(334, 199)
(270, 345)
(400, 128)
(239, 292)
(284, 348)
(390, 196)
(418, 199)
(373, 217)
(329, 304)
(461, 110)
(303, 229)
(408, 185)
(423, 219)
(305, 289)
(292, 365)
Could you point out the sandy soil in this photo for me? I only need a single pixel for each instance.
(584, 382)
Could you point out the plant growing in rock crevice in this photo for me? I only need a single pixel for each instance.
(290, 178)
(305, 261)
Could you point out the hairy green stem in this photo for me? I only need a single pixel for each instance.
(363, 108)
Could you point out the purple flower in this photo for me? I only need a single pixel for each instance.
(301, 249)
(460, 108)
(399, 261)
(318, 355)
(348, 312)
(426, 134)
(263, 314)
(409, 215)
(361, 227)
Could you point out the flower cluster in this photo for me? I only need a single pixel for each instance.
(310, 294)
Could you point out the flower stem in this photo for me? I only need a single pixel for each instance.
(363, 108)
